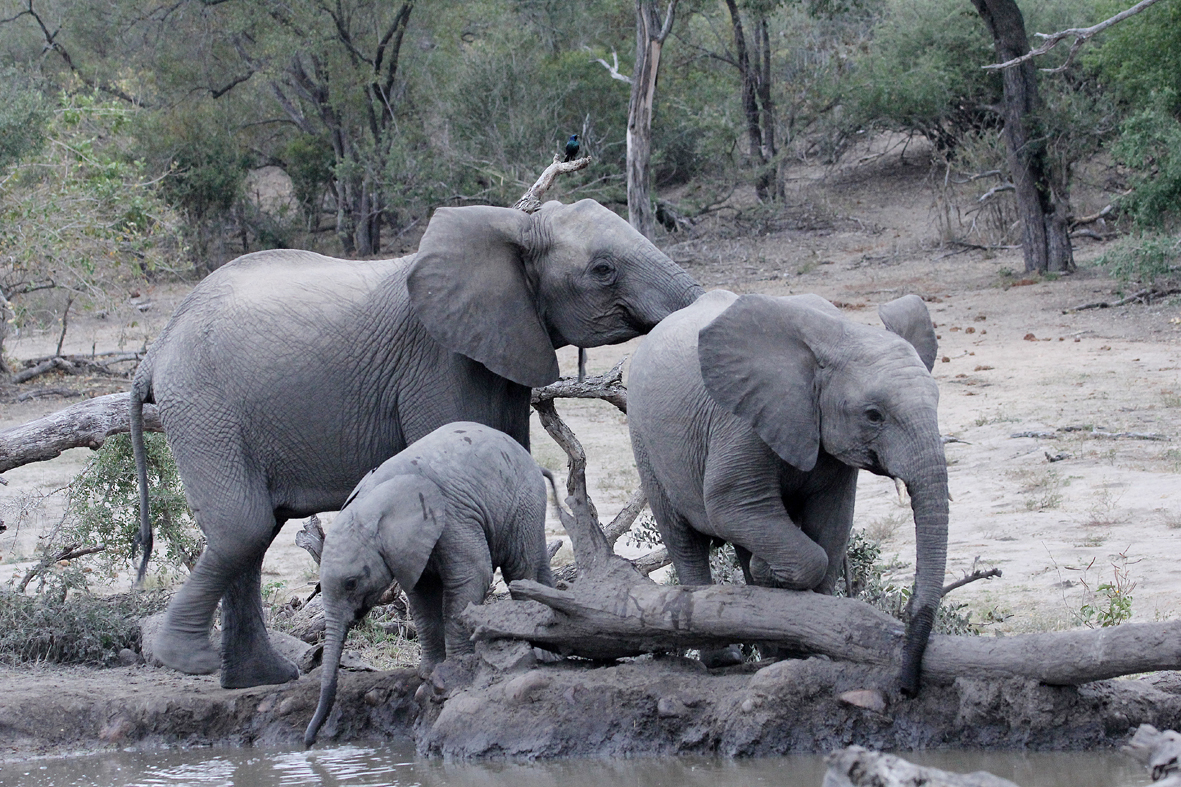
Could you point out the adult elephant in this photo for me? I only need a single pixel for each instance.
(285, 376)
(750, 417)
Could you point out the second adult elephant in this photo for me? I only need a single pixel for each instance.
(285, 376)
(750, 417)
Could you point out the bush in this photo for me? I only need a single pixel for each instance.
(103, 507)
(1150, 146)
(1144, 257)
(84, 630)
(867, 570)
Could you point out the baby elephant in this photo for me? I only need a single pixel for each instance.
(439, 518)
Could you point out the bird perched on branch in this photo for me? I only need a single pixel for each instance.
(572, 147)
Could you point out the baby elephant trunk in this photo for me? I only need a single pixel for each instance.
(336, 629)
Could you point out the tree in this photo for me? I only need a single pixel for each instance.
(1040, 190)
(651, 33)
(754, 68)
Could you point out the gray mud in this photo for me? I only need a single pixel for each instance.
(470, 709)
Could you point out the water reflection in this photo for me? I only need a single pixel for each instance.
(397, 767)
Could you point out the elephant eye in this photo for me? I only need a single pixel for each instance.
(874, 415)
(603, 270)
(350, 585)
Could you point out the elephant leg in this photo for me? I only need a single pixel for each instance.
(827, 519)
(465, 565)
(248, 659)
(744, 501)
(182, 642)
(426, 608)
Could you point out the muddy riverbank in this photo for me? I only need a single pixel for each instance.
(472, 710)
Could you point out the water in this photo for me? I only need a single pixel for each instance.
(397, 767)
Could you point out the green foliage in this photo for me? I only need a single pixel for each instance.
(308, 162)
(103, 508)
(1145, 257)
(80, 213)
(922, 72)
(1110, 603)
(1150, 146)
(83, 630)
(23, 115)
(867, 572)
(1141, 56)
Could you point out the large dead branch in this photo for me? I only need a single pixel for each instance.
(1081, 36)
(630, 619)
(530, 202)
(84, 425)
(608, 387)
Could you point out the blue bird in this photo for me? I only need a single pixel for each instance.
(572, 147)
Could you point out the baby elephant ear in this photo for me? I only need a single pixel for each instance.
(469, 289)
(411, 519)
(759, 361)
(908, 317)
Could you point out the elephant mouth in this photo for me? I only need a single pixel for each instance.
(875, 465)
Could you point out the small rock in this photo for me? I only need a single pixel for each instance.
(522, 688)
(870, 699)
(128, 657)
(670, 708)
(1029, 337)
(266, 705)
(506, 655)
(290, 704)
(749, 704)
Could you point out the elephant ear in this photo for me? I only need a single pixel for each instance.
(759, 361)
(410, 512)
(469, 288)
(908, 317)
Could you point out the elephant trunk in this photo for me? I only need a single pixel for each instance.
(928, 494)
(335, 630)
(670, 289)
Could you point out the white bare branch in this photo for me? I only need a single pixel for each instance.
(1081, 35)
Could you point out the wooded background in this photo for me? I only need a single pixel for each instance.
(140, 137)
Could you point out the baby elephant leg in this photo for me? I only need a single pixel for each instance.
(426, 607)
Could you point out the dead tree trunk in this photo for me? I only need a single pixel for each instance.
(1041, 192)
(84, 425)
(650, 37)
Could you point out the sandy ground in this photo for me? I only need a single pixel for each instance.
(1012, 362)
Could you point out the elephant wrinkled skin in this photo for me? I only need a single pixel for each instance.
(439, 518)
(750, 417)
(285, 376)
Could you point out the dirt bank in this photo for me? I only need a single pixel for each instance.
(575, 709)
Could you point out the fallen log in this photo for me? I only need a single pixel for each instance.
(83, 425)
(858, 767)
(602, 620)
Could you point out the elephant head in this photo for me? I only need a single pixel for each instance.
(506, 288)
(806, 378)
(385, 534)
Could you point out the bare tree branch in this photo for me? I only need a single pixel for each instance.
(1081, 35)
(612, 69)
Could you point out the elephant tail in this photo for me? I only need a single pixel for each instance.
(550, 477)
(141, 391)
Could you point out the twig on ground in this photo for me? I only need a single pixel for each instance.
(69, 552)
(1146, 295)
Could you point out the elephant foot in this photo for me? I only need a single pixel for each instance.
(192, 655)
(262, 667)
(722, 657)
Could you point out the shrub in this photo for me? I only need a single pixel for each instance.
(102, 509)
(84, 630)
(1146, 257)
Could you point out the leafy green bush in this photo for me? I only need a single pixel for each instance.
(1150, 146)
(867, 571)
(1141, 57)
(1145, 257)
(84, 630)
(23, 115)
(104, 506)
